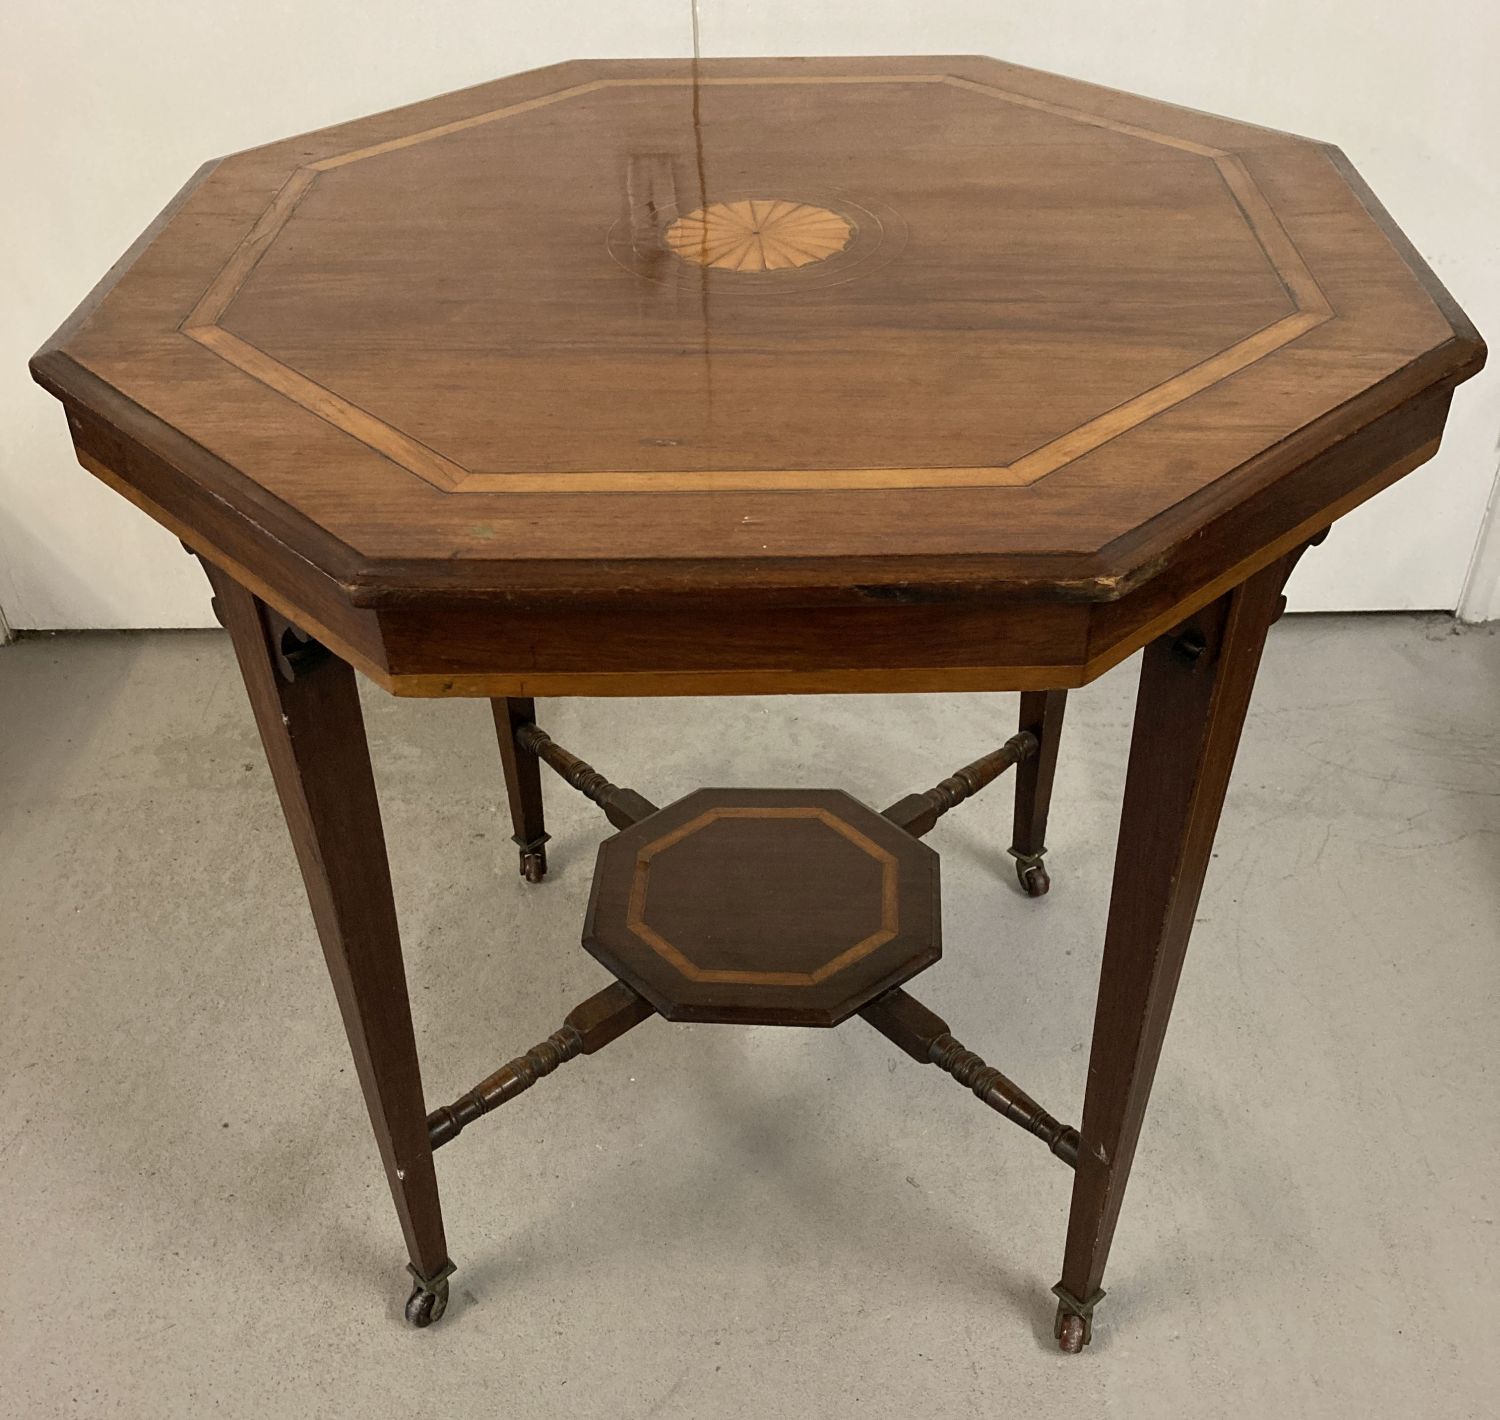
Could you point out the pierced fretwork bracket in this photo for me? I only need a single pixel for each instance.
(622, 807)
(1291, 561)
(917, 813)
(296, 652)
(924, 1036)
(604, 1017)
(293, 650)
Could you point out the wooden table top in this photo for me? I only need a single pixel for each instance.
(749, 324)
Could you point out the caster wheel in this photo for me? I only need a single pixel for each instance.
(1034, 879)
(534, 866)
(425, 1306)
(1070, 1334)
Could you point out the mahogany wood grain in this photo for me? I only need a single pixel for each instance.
(918, 813)
(588, 1027)
(622, 807)
(1194, 691)
(523, 785)
(764, 906)
(439, 382)
(1042, 718)
(925, 1036)
(860, 638)
(761, 376)
(306, 707)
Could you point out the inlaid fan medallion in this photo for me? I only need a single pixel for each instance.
(758, 234)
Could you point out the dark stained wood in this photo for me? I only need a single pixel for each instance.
(296, 371)
(918, 813)
(622, 807)
(643, 377)
(523, 786)
(925, 1036)
(1267, 522)
(306, 707)
(1194, 691)
(1041, 717)
(882, 638)
(603, 1018)
(764, 906)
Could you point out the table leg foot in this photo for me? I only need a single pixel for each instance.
(1032, 874)
(523, 786)
(429, 1297)
(1041, 715)
(1074, 1325)
(1194, 691)
(306, 706)
(1070, 1334)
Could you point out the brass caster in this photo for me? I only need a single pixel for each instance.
(1070, 1334)
(426, 1305)
(1033, 876)
(1074, 1326)
(428, 1300)
(534, 865)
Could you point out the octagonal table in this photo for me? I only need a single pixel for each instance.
(654, 378)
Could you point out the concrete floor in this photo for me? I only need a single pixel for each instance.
(730, 1222)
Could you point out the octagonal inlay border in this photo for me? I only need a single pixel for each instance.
(890, 917)
(1311, 309)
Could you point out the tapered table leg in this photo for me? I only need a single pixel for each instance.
(1041, 715)
(1194, 691)
(306, 706)
(523, 786)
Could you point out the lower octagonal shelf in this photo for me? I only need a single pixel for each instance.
(764, 906)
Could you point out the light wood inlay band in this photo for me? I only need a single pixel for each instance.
(889, 901)
(735, 237)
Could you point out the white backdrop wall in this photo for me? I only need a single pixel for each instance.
(110, 106)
